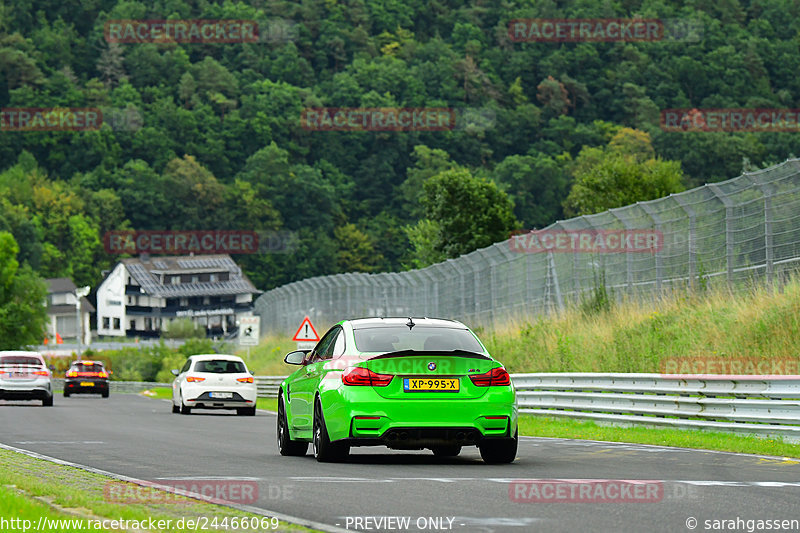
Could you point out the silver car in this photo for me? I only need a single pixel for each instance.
(25, 376)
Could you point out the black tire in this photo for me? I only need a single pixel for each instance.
(246, 411)
(499, 451)
(446, 451)
(184, 409)
(66, 394)
(48, 402)
(105, 394)
(326, 451)
(287, 446)
(175, 408)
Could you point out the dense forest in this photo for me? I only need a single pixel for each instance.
(545, 130)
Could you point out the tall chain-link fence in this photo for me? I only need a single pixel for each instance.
(735, 232)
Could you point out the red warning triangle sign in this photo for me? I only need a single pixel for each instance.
(306, 332)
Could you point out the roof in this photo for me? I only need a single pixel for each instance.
(212, 356)
(359, 323)
(64, 309)
(60, 285)
(147, 273)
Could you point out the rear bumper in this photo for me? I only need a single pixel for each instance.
(420, 424)
(205, 401)
(75, 387)
(38, 390)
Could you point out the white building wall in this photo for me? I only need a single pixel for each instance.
(111, 303)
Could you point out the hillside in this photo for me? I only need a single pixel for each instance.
(217, 141)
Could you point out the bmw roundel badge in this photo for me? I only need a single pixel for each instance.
(431, 366)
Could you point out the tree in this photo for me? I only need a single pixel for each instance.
(624, 172)
(470, 212)
(22, 296)
(356, 252)
(537, 185)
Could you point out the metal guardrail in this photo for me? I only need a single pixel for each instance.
(117, 386)
(268, 386)
(756, 405)
(753, 405)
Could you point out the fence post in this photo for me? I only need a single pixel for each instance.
(728, 203)
(628, 256)
(692, 238)
(658, 227)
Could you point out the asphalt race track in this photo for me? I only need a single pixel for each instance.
(140, 438)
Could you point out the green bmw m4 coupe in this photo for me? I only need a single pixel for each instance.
(405, 383)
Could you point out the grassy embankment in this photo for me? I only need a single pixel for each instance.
(757, 325)
(32, 488)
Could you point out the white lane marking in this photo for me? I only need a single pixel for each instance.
(502, 480)
(642, 447)
(59, 442)
(246, 508)
(209, 478)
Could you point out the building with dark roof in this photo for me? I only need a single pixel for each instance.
(142, 295)
(62, 310)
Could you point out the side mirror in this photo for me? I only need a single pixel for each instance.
(296, 358)
(52, 368)
(175, 371)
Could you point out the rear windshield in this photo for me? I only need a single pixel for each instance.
(396, 338)
(87, 368)
(220, 366)
(19, 360)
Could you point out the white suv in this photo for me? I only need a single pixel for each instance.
(25, 376)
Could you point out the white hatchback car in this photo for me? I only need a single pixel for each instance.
(25, 376)
(214, 381)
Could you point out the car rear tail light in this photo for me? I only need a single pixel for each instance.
(72, 374)
(194, 379)
(102, 374)
(41, 373)
(358, 376)
(245, 380)
(494, 377)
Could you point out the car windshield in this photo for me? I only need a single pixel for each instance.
(87, 368)
(418, 338)
(17, 360)
(220, 366)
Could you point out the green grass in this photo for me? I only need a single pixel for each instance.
(577, 429)
(68, 490)
(758, 324)
(26, 512)
(266, 359)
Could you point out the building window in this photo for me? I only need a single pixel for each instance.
(175, 280)
(212, 277)
(106, 322)
(184, 302)
(195, 279)
(116, 323)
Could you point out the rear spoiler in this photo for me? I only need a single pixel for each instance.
(453, 353)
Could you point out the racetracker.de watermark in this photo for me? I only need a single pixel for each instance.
(27, 119)
(586, 491)
(697, 367)
(730, 119)
(605, 241)
(176, 491)
(181, 31)
(176, 242)
(396, 119)
(604, 30)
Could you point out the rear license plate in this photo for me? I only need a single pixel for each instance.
(220, 395)
(431, 384)
(87, 384)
